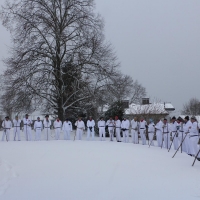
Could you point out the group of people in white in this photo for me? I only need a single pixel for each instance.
(184, 132)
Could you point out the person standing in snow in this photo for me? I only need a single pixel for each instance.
(134, 130)
(7, 125)
(90, 128)
(125, 125)
(174, 127)
(111, 124)
(27, 127)
(166, 133)
(57, 126)
(159, 130)
(47, 125)
(80, 128)
(151, 131)
(16, 131)
(67, 129)
(38, 129)
(142, 127)
(101, 126)
(117, 129)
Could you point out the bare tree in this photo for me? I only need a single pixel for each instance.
(59, 59)
(192, 107)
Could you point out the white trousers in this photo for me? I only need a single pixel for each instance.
(38, 132)
(6, 134)
(126, 136)
(143, 136)
(167, 140)
(16, 134)
(57, 133)
(27, 133)
(159, 138)
(194, 148)
(90, 133)
(181, 136)
(151, 139)
(79, 133)
(117, 132)
(175, 141)
(111, 133)
(47, 133)
(67, 134)
(134, 136)
(102, 134)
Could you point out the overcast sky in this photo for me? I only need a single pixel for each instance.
(157, 43)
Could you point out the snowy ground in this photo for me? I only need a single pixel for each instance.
(94, 170)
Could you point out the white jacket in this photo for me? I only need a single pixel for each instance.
(90, 123)
(80, 124)
(125, 124)
(67, 126)
(7, 124)
(57, 124)
(47, 124)
(38, 125)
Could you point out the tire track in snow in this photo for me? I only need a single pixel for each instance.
(6, 175)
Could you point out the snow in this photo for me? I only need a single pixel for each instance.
(94, 170)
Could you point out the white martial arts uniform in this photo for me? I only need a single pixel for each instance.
(194, 139)
(151, 132)
(67, 129)
(118, 129)
(57, 126)
(142, 127)
(38, 130)
(101, 126)
(90, 129)
(79, 131)
(47, 130)
(174, 134)
(125, 125)
(7, 125)
(111, 125)
(134, 131)
(16, 131)
(27, 129)
(181, 135)
(159, 130)
(166, 134)
(186, 129)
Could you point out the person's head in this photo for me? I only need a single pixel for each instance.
(6, 118)
(66, 119)
(150, 120)
(116, 118)
(125, 118)
(16, 117)
(186, 118)
(193, 119)
(135, 118)
(47, 117)
(26, 116)
(110, 118)
(38, 118)
(165, 121)
(173, 119)
(90, 118)
(79, 118)
(58, 119)
(141, 118)
(101, 118)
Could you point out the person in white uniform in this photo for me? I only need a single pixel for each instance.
(151, 131)
(186, 129)
(111, 124)
(159, 130)
(38, 126)
(47, 127)
(125, 125)
(174, 127)
(134, 130)
(142, 127)
(80, 128)
(101, 126)
(57, 126)
(6, 125)
(67, 129)
(117, 129)
(180, 133)
(90, 128)
(27, 127)
(16, 131)
(194, 137)
(166, 133)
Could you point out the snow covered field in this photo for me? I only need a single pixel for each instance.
(94, 170)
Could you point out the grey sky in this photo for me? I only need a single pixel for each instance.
(157, 43)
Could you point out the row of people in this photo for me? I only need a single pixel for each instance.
(185, 132)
